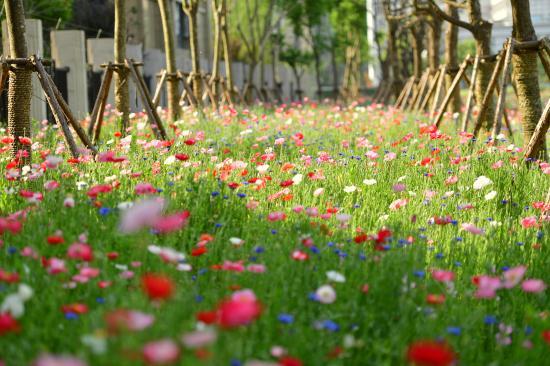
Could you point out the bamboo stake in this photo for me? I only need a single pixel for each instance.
(4, 77)
(422, 91)
(154, 119)
(407, 94)
(70, 117)
(539, 135)
(99, 106)
(454, 84)
(160, 85)
(488, 94)
(54, 105)
(417, 91)
(545, 59)
(431, 90)
(471, 95)
(402, 94)
(439, 89)
(497, 124)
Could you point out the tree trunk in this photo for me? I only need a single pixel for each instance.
(434, 43)
(20, 87)
(334, 70)
(216, 14)
(171, 68)
(226, 50)
(526, 72)
(451, 57)
(417, 35)
(482, 36)
(190, 7)
(317, 61)
(122, 95)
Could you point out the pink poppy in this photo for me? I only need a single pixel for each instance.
(276, 216)
(128, 320)
(145, 188)
(167, 224)
(443, 276)
(397, 204)
(54, 360)
(529, 222)
(80, 251)
(162, 352)
(471, 228)
(513, 276)
(240, 310)
(142, 214)
(533, 285)
(487, 287)
(199, 339)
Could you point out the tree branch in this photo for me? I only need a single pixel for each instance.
(436, 11)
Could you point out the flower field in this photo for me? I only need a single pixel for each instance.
(305, 235)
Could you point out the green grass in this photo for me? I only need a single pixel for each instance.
(393, 314)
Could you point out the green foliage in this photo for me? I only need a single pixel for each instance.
(295, 57)
(468, 46)
(348, 21)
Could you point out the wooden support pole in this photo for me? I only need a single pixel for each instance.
(159, 87)
(454, 85)
(71, 119)
(100, 102)
(402, 94)
(4, 77)
(497, 124)
(539, 135)
(154, 119)
(208, 88)
(544, 54)
(422, 91)
(471, 95)
(440, 86)
(54, 105)
(407, 94)
(431, 90)
(488, 94)
(418, 89)
(187, 92)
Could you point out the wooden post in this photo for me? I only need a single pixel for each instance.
(54, 105)
(419, 85)
(440, 86)
(488, 94)
(5, 76)
(187, 92)
(544, 54)
(158, 90)
(209, 92)
(471, 95)
(431, 90)
(421, 91)
(502, 86)
(154, 119)
(402, 94)
(454, 85)
(539, 135)
(407, 94)
(101, 101)
(70, 117)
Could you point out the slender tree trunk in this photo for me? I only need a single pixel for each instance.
(171, 68)
(317, 61)
(434, 43)
(334, 71)
(20, 87)
(451, 57)
(226, 50)
(417, 35)
(526, 72)
(190, 7)
(482, 36)
(216, 14)
(122, 94)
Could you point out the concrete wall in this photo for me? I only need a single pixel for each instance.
(69, 50)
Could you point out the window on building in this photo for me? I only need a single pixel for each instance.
(182, 28)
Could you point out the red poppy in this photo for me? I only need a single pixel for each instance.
(546, 336)
(8, 324)
(435, 299)
(198, 251)
(290, 361)
(430, 353)
(207, 317)
(182, 157)
(55, 239)
(157, 287)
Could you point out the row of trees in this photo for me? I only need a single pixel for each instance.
(415, 25)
